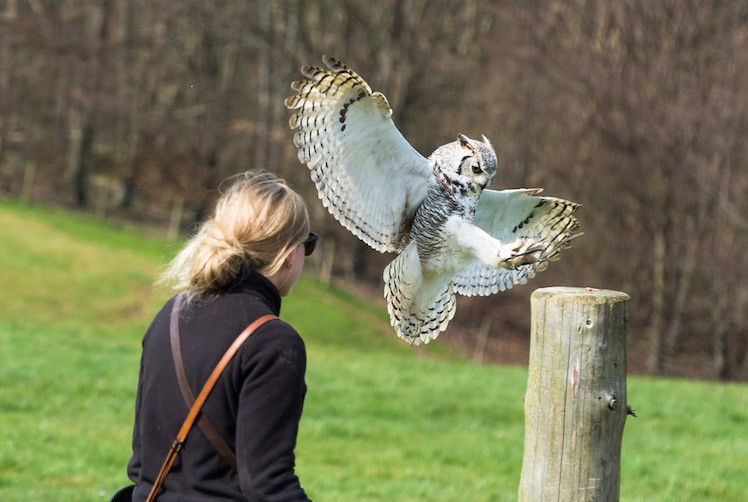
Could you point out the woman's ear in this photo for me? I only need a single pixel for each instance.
(288, 260)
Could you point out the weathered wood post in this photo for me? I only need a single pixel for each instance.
(575, 405)
(175, 221)
(29, 173)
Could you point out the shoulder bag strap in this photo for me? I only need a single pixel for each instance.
(176, 446)
(189, 398)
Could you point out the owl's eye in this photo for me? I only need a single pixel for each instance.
(472, 162)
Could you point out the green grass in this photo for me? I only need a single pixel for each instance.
(382, 421)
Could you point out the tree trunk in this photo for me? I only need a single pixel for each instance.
(721, 356)
(80, 135)
(656, 324)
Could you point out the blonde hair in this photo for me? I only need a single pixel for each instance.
(256, 223)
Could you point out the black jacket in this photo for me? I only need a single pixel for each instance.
(255, 406)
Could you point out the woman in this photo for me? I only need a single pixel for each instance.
(235, 270)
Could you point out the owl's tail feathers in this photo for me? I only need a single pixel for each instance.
(420, 307)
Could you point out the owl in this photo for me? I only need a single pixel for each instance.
(451, 234)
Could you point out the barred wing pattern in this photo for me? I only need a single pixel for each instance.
(508, 215)
(373, 182)
(366, 173)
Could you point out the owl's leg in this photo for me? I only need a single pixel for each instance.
(523, 251)
(420, 305)
(492, 252)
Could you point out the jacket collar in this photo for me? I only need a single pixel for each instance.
(258, 285)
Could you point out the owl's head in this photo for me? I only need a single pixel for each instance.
(466, 164)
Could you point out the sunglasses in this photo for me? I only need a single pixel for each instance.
(310, 243)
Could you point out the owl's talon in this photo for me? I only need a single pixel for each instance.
(524, 259)
(525, 251)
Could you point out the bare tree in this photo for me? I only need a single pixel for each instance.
(637, 109)
(649, 90)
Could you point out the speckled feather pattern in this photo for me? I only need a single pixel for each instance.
(453, 236)
(524, 214)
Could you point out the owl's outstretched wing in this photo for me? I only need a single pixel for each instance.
(509, 215)
(367, 174)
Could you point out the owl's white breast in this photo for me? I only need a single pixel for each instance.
(446, 255)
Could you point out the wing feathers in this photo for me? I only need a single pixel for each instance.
(511, 214)
(373, 181)
(367, 175)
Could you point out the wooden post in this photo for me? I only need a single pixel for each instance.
(28, 181)
(480, 345)
(328, 258)
(575, 405)
(175, 221)
(102, 194)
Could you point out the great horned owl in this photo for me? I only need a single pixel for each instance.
(452, 235)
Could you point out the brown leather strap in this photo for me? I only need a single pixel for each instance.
(176, 446)
(189, 398)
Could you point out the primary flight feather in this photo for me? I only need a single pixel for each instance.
(452, 235)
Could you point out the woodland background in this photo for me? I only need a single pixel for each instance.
(638, 109)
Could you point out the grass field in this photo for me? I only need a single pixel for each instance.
(382, 421)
